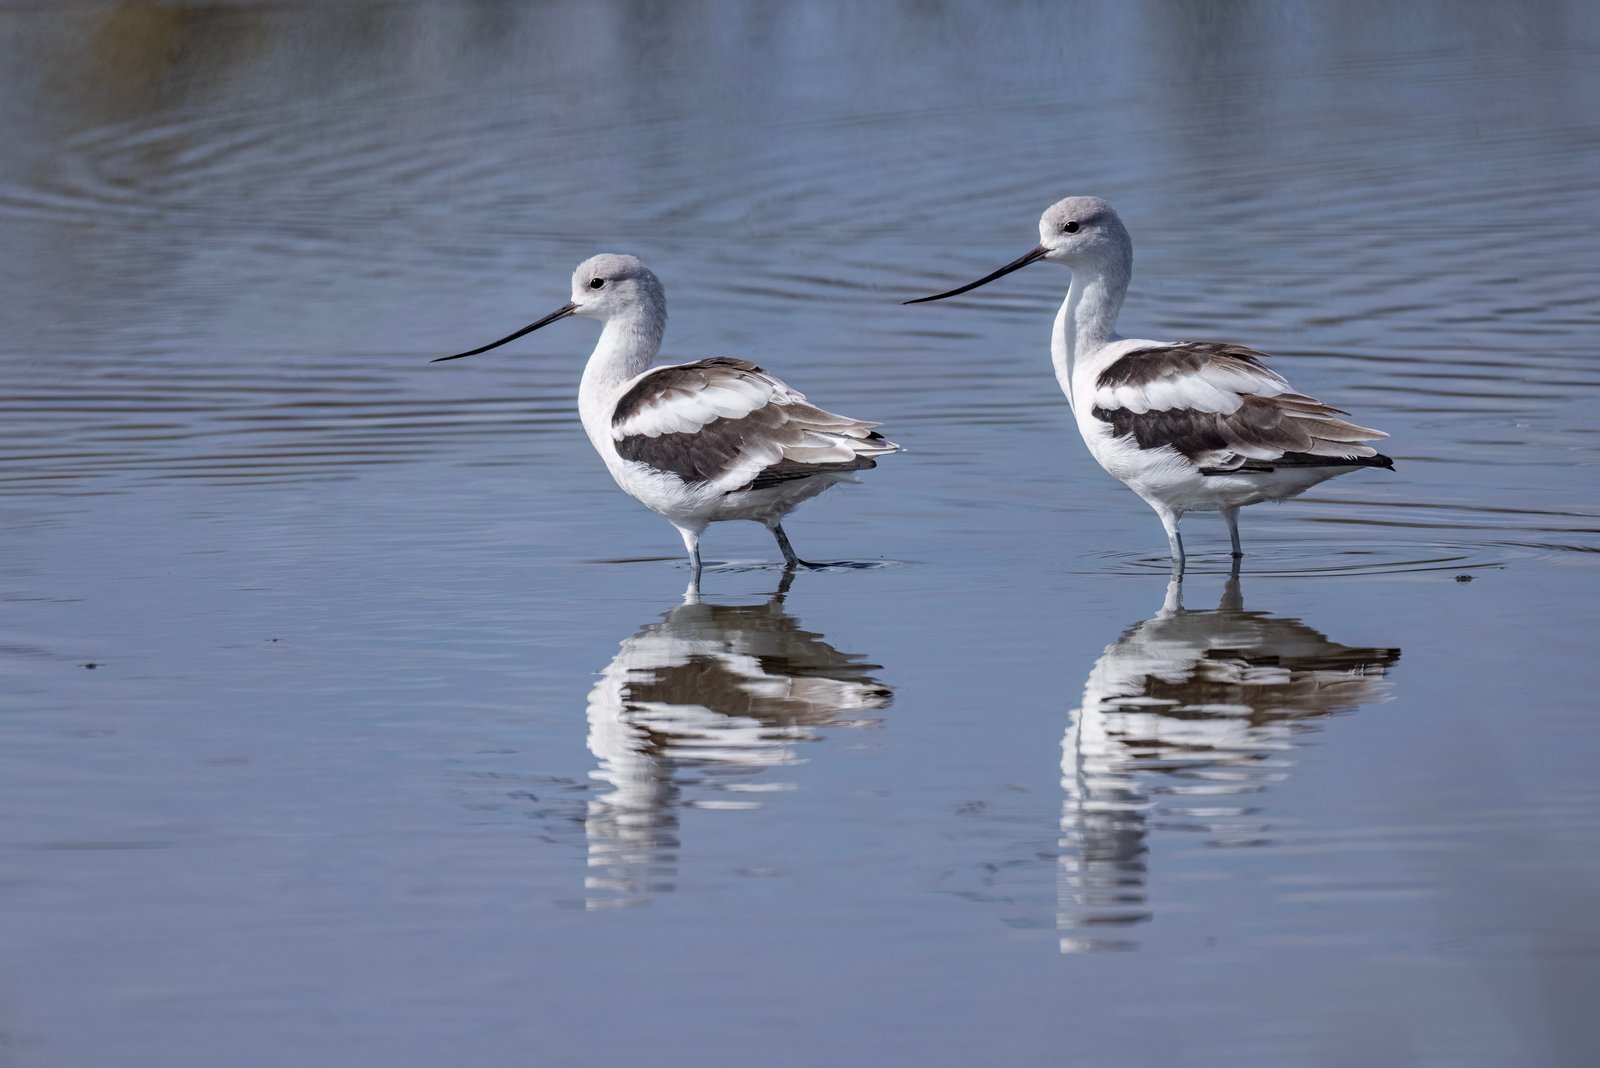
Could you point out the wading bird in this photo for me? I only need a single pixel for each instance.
(701, 442)
(1195, 426)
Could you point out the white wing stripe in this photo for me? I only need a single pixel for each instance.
(1165, 394)
(680, 411)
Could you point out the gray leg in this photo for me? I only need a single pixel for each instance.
(1232, 516)
(1169, 522)
(789, 556)
(691, 541)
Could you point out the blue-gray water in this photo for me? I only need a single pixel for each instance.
(350, 715)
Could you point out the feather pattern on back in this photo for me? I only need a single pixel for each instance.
(726, 422)
(1225, 411)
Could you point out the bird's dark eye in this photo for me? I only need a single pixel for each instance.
(1069, 228)
(596, 283)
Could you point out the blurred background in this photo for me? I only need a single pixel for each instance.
(349, 713)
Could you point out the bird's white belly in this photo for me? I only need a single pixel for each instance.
(665, 494)
(693, 505)
(1168, 477)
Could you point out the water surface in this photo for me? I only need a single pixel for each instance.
(350, 714)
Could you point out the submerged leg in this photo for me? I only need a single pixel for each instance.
(789, 556)
(1232, 592)
(1232, 516)
(1174, 600)
(691, 541)
(783, 586)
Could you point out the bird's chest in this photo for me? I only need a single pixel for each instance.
(1157, 472)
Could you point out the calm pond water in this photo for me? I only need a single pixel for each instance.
(350, 715)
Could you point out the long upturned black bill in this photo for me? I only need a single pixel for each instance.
(1035, 253)
(559, 313)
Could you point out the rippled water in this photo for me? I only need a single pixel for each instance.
(350, 714)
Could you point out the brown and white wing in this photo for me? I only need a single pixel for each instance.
(728, 423)
(1225, 410)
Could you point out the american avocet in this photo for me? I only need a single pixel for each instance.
(1195, 426)
(701, 442)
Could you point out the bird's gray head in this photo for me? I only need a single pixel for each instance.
(612, 282)
(1080, 228)
(603, 286)
(1074, 231)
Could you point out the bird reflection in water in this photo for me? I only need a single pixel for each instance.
(700, 703)
(1184, 717)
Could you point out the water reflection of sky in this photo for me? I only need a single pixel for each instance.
(331, 792)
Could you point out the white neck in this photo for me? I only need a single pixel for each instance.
(627, 344)
(1088, 317)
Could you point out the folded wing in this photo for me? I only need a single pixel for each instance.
(726, 422)
(1226, 411)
